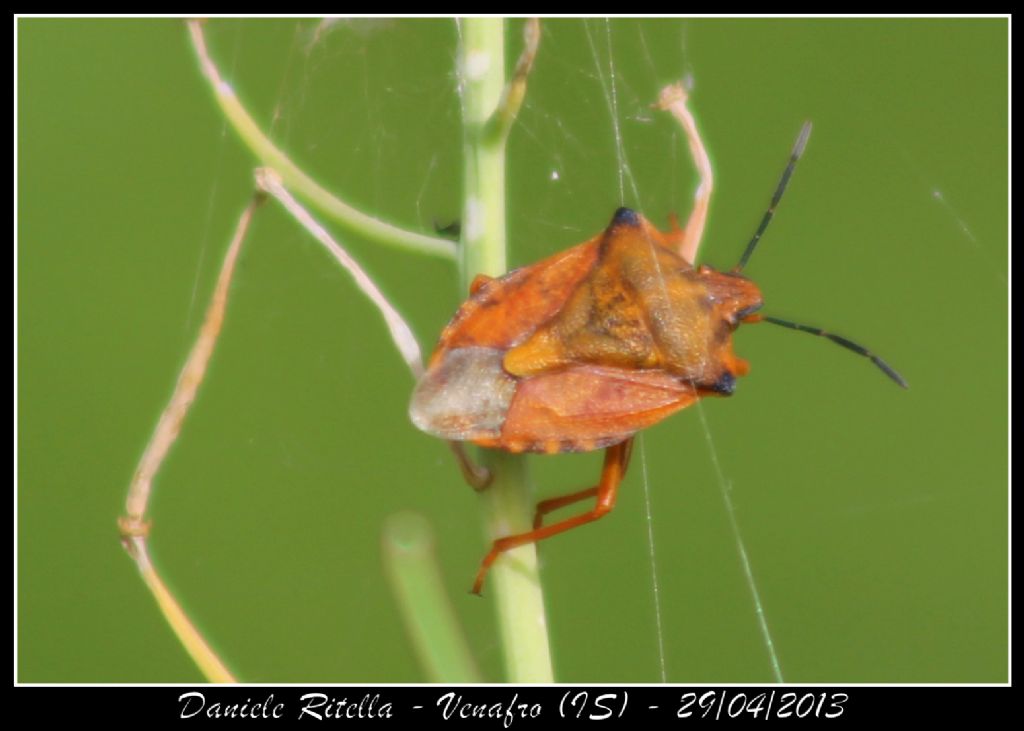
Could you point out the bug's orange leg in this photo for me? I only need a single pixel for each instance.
(687, 240)
(616, 460)
(477, 476)
(546, 506)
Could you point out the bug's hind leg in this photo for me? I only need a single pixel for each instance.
(687, 240)
(549, 506)
(616, 460)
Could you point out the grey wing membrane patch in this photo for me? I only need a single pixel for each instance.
(465, 396)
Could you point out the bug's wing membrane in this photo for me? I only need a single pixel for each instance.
(464, 396)
(589, 407)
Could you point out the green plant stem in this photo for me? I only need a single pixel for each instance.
(507, 504)
(419, 589)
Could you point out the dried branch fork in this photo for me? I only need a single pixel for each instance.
(134, 526)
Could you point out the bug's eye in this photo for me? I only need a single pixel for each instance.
(725, 384)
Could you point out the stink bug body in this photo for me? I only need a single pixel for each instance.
(582, 350)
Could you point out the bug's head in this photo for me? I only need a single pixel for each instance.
(729, 299)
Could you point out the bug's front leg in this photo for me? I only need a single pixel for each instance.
(616, 460)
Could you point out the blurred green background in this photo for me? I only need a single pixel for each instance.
(875, 519)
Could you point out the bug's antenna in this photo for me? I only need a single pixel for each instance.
(798, 150)
(838, 340)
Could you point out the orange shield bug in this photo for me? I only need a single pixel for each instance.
(582, 350)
